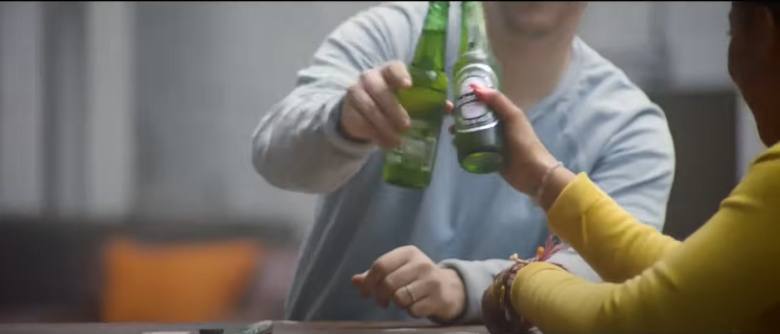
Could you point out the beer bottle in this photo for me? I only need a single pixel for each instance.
(411, 164)
(478, 135)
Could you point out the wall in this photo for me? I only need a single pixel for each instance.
(206, 72)
(162, 115)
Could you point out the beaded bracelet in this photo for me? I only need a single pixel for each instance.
(512, 321)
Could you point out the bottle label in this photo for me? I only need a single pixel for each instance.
(471, 114)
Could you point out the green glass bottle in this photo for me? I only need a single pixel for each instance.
(478, 135)
(411, 164)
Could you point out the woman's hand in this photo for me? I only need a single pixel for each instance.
(529, 165)
(527, 157)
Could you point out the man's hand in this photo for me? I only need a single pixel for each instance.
(371, 112)
(415, 283)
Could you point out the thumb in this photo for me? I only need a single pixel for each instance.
(448, 107)
(504, 108)
(359, 279)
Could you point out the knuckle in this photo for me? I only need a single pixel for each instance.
(379, 267)
(398, 296)
(364, 78)
(388, 282)
(352, 92)
(410, 249)
(425, 266)
(435, 284)
(370, 79)
(395, 64)
(388, 69)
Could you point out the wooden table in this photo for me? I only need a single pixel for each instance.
(266, 327)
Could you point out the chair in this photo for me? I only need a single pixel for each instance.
(176, 281)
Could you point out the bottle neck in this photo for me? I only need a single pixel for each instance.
(431, 48)
(473, 38)
(474, 53)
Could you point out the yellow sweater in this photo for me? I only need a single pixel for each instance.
(724, 277)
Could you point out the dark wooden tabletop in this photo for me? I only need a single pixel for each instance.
(267, 327)
(115, 328)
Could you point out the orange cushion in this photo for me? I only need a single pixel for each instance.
(177, 282)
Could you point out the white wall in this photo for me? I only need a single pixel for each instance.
(206, 73)
(20, 109)
(111, 137)
(681, 45)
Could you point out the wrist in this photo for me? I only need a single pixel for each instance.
(538, 169)
(457, 288)
(557, 181)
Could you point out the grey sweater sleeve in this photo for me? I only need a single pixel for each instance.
(478, 275)
(297, 144)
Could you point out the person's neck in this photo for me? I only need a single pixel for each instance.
(531, 67)
(762, 99)
(770, 107)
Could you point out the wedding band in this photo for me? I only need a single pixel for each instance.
(409, 292)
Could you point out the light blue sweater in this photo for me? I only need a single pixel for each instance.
(595, 121)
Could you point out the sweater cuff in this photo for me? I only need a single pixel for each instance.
(476, 277)
(334, 135)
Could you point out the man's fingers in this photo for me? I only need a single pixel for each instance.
(359, 281)
(384, 96)
(355, 126)
(396, 75)
(404, 276)
(359, 278)
(449, 107)
(406, 295)
(423, 308)
(366, 106)
(385, 265)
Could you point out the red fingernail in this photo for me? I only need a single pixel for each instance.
(480, 94)
(479, 90)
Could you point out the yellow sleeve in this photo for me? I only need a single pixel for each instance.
(725, 276)
(605, 235)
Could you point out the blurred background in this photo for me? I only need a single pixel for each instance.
(126, 187)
